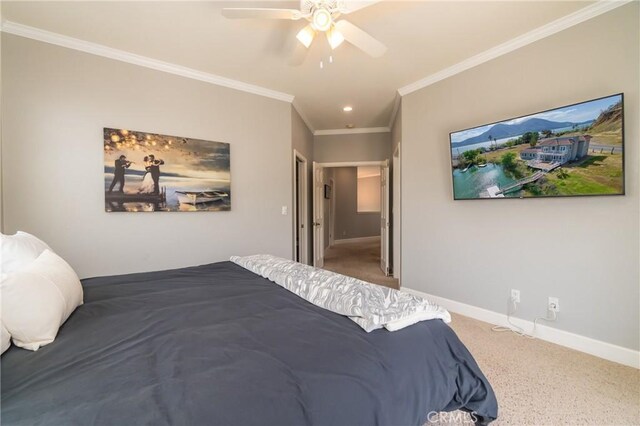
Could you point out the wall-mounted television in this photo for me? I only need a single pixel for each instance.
(574, 150)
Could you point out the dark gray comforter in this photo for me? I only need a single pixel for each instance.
(219, 345)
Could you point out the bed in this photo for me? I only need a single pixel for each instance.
(217, 344)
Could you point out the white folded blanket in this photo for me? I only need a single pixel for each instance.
(369, 305)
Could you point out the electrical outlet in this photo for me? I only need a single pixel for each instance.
(515, 295)
(554, 304)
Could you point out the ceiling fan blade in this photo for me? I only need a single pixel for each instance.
(260, 13)
(361, 39)
(350, 6)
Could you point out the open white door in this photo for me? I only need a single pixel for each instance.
(318, 219)
(384, 218)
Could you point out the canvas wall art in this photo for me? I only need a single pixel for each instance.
(574, 150)
(149, 172)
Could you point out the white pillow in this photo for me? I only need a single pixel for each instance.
(38, 299)
(18, 251)
(5, 338)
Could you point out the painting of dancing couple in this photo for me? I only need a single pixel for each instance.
(148, 172)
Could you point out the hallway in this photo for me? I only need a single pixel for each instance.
(360, 260)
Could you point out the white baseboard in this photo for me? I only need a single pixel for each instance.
(580, 343)
(356, 240)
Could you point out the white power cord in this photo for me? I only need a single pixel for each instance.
(511, 309)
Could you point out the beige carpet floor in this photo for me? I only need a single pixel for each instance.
(540, 383)
(536, 382)
(359, 260)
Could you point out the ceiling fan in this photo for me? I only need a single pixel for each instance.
(322, 16)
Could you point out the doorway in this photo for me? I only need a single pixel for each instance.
(352, 220)
(300, 208)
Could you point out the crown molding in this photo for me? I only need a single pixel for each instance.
(582, 15)
(302, 115)
(331, 132)
(568, 21)
(143, 61)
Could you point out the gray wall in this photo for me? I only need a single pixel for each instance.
(352, 147)
(396, 130)
(56, 102)
(348, 223)
(474, 252)
(302, 141)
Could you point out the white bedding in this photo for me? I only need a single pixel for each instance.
(368, 305)
(38, 299)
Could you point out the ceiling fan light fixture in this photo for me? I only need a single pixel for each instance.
(334, 37)
(321, 19)
(306, 35)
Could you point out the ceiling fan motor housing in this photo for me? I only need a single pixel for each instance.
(321, 20)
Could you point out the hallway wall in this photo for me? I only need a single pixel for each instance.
(352, 147)
(348, 222)
(349, 148)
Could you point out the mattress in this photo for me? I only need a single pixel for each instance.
(217, 344)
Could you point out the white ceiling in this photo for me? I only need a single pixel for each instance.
(423, 38)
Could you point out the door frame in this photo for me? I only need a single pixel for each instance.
(396, 214)
(353, 164)
(304, 223)
(318, 215)
(385, 221)
(347, 164)
(332, 212)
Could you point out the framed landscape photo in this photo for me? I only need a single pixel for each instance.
(150, 172)
(574, 150)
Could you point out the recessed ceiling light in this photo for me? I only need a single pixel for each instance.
(350, 126)
(347, 109)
